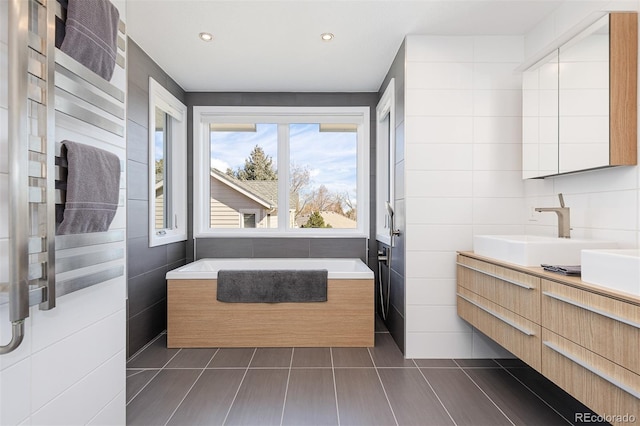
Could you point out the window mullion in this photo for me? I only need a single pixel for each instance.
(283, 177)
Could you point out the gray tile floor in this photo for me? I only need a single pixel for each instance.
(335, 386)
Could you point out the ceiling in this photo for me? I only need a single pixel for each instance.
(275, 46)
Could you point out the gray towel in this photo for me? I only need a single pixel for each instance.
(272, 286)
(91, 35)
(93, 186)
(565, 270)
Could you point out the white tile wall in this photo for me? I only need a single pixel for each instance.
(101, 382)
(432, 291)
(430, 264)
(435, 319)
(497, 156)
(437, 103)
(497, 130)
(421, 210)
(105, 339)
(439, 345)
(498, 211)
(497, 183)
(463, 176)
(496, 76)
(50, 327)
(112, 414)
(15, 404)
(70, 368)
(497, 103)
(445, 75)
(440, 156)
(439, 237)
(450, 130)
(431, 183)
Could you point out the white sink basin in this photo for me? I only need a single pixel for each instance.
(533, 250)
(614, 269)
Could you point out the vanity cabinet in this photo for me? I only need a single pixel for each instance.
(502, 303)
(591, 347)
(582, 337)
(580, 102)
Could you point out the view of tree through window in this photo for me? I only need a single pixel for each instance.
(244, 176)
(244, 180)
(323, 169)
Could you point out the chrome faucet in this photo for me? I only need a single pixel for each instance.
(564, 228)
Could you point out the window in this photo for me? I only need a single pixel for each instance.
(167, 167)
(385, 162)
(281, 171)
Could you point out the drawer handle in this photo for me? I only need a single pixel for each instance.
(594, 370)
(495, 276)
(498, 316)
(591, 309)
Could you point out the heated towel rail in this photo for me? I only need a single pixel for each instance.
(51, 98)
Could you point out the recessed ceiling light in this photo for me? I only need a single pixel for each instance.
(205, 36)
(326, 36)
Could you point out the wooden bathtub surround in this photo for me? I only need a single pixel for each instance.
(197, 320)
(583, 337)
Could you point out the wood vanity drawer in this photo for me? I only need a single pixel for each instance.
(508, 288)
(605, 387)
(606, 326)
(515, 333)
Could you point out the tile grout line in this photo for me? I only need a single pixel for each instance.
(485, 394)
(382, 384)
(286, 389)
(142, 349)
(192, 386)
(434, 392)
(140, 371)
(239, 386)
(335, 387)
(536, 395)
(154, 376)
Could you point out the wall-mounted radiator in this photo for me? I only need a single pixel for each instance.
(53, 98)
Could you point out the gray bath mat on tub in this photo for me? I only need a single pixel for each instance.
(272, 286)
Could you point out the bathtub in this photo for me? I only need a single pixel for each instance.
(195, 319)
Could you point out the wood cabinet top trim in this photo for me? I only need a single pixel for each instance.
(566, 280)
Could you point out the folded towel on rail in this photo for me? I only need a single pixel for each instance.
(91, 32)
(93, 188)
(272, 286)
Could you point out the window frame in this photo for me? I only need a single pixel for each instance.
(283, 116)
(177, 208)
(385, 160)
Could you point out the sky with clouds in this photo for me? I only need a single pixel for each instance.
(330, 156)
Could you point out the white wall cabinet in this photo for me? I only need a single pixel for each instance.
(579, 102)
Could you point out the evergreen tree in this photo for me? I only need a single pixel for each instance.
(316, 221)
(259, 166)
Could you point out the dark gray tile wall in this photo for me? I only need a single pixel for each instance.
(282, 247)
(395, 320)
(146, 307)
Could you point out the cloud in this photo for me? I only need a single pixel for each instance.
(219, 165)
(330, 157)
